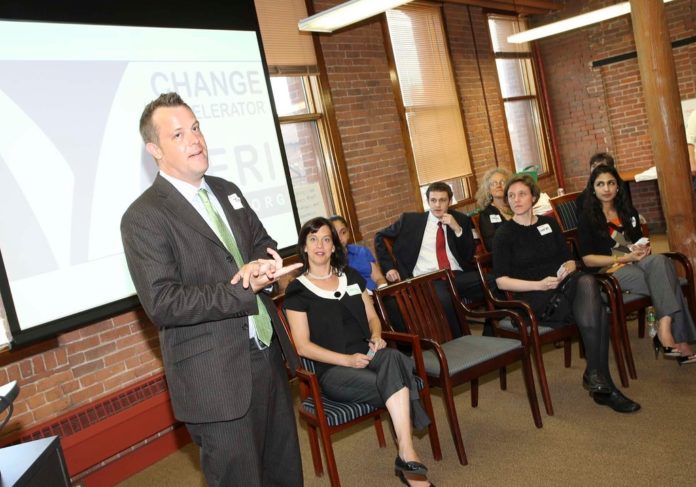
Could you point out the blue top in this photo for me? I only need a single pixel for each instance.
(360, 258)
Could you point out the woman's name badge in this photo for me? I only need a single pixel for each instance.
(544, 229)
(496, 219)
(353, 289)
(633, 221)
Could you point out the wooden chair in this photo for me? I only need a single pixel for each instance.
(624, 303)
(478, 247)
(450, 362)
(479, 244)
(564, 210)
(541, 335)
(330, 417)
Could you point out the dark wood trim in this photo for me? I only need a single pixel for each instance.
(501, 100)
(515, 6)
(340, 182)
(634, 54)
(469, 179)
(307, 117)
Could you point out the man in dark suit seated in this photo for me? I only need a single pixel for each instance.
(436, 239)
(198, 256)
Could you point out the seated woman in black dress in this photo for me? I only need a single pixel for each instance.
(334, 323)
(531, 259)
(609, 236)
(491, 197)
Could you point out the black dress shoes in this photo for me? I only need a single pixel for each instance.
(596, 383)
(410, 471)
(409, 467)
(617, 401)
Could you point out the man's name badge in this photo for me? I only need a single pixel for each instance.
(235, 201)
(353, 290)
(544, 229)
(496, 219)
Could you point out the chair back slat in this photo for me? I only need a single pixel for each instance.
(279, 301)
(564, 210)
(479, 244)
(484, 264)
(420, 306)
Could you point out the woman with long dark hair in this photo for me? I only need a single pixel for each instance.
(611, 240)
(334, 323)
(531, 259)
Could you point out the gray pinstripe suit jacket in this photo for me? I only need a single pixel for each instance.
(181, 272)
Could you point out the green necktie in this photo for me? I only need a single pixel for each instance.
(264, 329)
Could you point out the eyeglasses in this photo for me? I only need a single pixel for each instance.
(497, 183)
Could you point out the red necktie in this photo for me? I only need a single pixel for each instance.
(440, 248)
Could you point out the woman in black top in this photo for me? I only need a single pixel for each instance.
(531, 259)
(334, 323)
(610, 236)
(491, 197)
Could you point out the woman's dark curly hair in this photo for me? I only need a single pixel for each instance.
(338, 258)
(624, 208)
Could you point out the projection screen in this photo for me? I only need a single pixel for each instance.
(71, 157)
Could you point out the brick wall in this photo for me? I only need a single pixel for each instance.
(80, 366)
(368, 122)
(590, 107)
(602, 109)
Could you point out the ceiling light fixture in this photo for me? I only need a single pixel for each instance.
(571, 23)
(346, 13)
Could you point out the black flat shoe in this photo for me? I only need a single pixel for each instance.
(409, 467)
(617, 401)
(596, 383)
(418, 477)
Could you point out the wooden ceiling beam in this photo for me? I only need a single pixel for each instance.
(519, 6)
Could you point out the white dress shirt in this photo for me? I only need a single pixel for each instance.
(427, 257)
(190, 193)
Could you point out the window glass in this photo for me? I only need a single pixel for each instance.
(289, 95)
(523, 120)
(516, 77)
(523, 109)
(306, 144)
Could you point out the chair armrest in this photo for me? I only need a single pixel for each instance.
(610, 285)
(430, 344)
(685, 263)
(399, 337)
(500, 313)
(417, 351)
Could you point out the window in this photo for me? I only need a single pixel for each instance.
(319, 188)
(305, 139)
(516, 74)
(429, 97)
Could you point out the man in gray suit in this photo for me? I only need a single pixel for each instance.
(198, 256)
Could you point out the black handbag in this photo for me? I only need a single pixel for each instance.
(559, 307)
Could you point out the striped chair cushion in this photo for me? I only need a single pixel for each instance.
(338, 413)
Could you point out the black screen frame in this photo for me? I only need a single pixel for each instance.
(201, 14)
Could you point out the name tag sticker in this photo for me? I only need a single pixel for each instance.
(235, 201)
(353, 289)
(496, 219)
(633, 221)
(544, 229)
